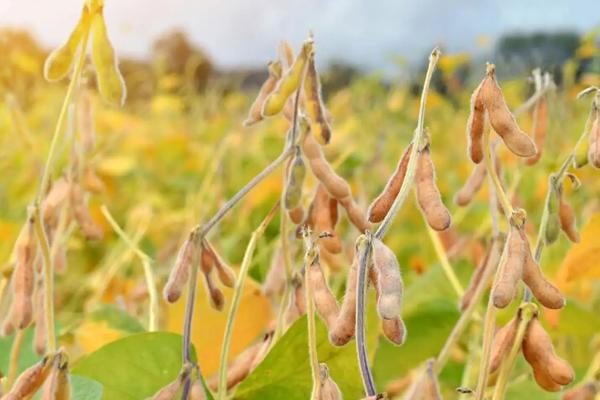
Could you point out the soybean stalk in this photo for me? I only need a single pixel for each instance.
(15, 352)
(237, 294)
(145, 259)
(310, 257)
(419, 135)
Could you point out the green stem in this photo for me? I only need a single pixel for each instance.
(443, 258)
(310, 258)
(237, 295)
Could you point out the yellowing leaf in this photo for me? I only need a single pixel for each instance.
(253, 318)
(116, 165)
(581, 261)
(91, 335)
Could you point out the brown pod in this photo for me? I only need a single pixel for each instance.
(30, 380)
(239, 368)
(476, 124)
(324, 300)
(51, 386)
(255, 113)
(343, 329)
(544, 291)
(297, 304)
(389, 281)
(40, 333)
(540, 127)
(215, 295)
(296, 214)
(472, 185)
(186, 259)
(568, 221)
(23, 281)
(224, 271)
(63, 388)
(329, 390)
(511, 270)
(323, 220)
(315, 109)
(54, 200)
(594, 148)
(170, 391)
(394, 330)
(544, 381)
(539, 353)
(502, 120)
(586, 391)
(90, 229)
(263, 350)
(274, 283)
(197, 391)
(382, 204)
(503, 342)
(428, 195)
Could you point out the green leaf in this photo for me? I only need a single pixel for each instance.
(427, 330)
(85, 388)
(27, 357)
(285, 372)
(134, 367)
(528, 389)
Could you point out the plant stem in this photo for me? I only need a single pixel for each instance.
(237, 295)
(39, 227)
(311, 257)
(15, 353)
(526, 312)
(443, 258)
(190, 302)
(148, 273)
(490, 167)
(364, 251)
(465, 317)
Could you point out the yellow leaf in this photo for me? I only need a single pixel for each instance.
(91, 335)
(116, 165)
(253, 318)
(581, 261)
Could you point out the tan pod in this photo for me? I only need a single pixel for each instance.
(428, 195)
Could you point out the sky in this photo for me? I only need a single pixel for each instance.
(367, 33)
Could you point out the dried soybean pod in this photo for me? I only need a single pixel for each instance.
(216, 297)
(586, 391)
(60, 60)
(335, 185)
(54, 200)
(186, 259)
(428, 195)
(329, 389)
(63, 389)
(224, 271)
(544, 291)
(31, 379)
(502, 120)
(539, 353)
(197, 391)
(503, 342)
(382, 204)
(263, 350)
(511, 270)
(476, 124)
(289, 82)
(51, 385)
(85, 121)
(297, 304)
(296, 214)
(40, 333)
(295, 181)
(540, 127)
(389, 281)
(170, 391)
(472, 185)
(544, 381)
(315, 109)
(322, 220)
(343, 330)
(394, 330)
(239, 368)
(110, 81)
(23, 281)
(324, 300)
(552, 210)
(433, 386)
(594, 143)
(568, 222)
(90, 229)
(255, 113)
(274, 283)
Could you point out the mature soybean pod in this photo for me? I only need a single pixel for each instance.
(274, 283)
(31, 379)
(224, 271)
(323, 220)
(476, 124)
(389, 280)
(511, 270)
(382, 204)
(540, 127)
(343, 329)
(110, 81)
(294, 181)
(472, 185)
(324, 299)
(503, 341)
(170, 391)
(315, 108)
(546, 293)
(60, 60)
(568, 221)
(90, 229)
(186, 259)
(255, 113)
(59, 191)
(329, 389)
(503, 121)
(539, 353)
(24, 277)
(40, 332)
(428, 195)
(215, 295)
(552, 210)
(289, 82)
(586, 391)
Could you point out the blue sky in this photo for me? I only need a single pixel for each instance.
(245, 33)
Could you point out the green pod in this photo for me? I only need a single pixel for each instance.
(60, 60)
(581, 154)
(552, 211)
(110, 82)
(288, 83)
(295, 181)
